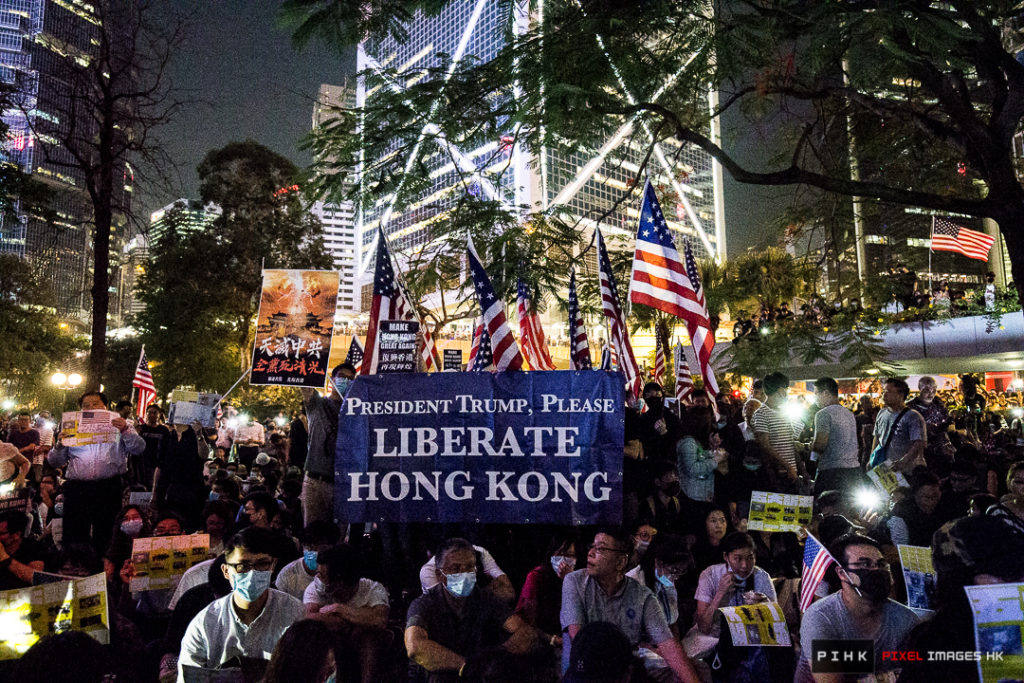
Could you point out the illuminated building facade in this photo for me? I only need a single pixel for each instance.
(587, 183)
(38, 40)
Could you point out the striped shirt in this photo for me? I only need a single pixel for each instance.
(779, 430)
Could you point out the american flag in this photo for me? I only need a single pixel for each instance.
(659, 278)
(684, 380)
(948, 236)
(480, 356)
(579, 346)
(659, 360)
(503, 345)
(618, 334)
(699, 327)
(143, 381)
(386, 304)
(816, 563)
(355, 354)
(531, 334)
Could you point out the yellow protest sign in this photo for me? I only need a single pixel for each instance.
(28, 614)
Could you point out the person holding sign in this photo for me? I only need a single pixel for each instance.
(247, 623)
(19, 556)
(736, 581)
(322, 414)
(92, 490)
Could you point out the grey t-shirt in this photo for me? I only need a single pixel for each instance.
(841, 426)
(910, 428)
(828, 619)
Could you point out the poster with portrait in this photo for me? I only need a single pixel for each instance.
(762, 624)
(294, 328)
(998, 611)
(64, 604)
(158, 562)
(919, 576)
(779, 511)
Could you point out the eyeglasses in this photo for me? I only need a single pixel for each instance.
(601, 550)
(881, 564)
(246, 567)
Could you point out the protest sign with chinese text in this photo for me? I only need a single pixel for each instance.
(28, 614)
(998, 623)
(508, 447)
(886, 479)
(396, 346)
(160, 561)
(756, 625)
(88, 427)
(193, 406)
(779, 511)
(919, 576)
(294, 328)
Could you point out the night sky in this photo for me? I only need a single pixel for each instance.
(254, 84)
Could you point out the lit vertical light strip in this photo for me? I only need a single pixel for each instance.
(716, 176)
(543, 148)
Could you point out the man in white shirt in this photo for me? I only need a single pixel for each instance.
(774, 431)
(500, 586)
(246, 624)
(737, 581)
(354, 607)
(296, 576)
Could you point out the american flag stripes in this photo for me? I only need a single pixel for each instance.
(355, 354)
(684, 380)
(503, 345)
(480, 356)
(579, 346)
(606, 358)
(816, 562)
(143, 381)
(659, 360)
(388, 303)
(699, 327)
(948, 236)
(618, 334)
(659, 278)
(531, 334)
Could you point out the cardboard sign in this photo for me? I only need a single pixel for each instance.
(193, 406)
(161, 560)
(89, 427)
(396, 346)
(779, 511)
(65, 604)
(452, 360)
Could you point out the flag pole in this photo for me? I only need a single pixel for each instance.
(233, 386)
(142, 354)
(931, 239)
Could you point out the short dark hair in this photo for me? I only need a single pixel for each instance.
(758, 384)
(262, 500)
(619, 535)
(342, 562)
(24, 413)
(170, 514)
(254, 539)
(660, 468)
(320, 532)
(963, 467)
(839, 546)
(123, 404)
(652, 386)
(103, 397)
(830, 498)
(342, 366)
(774, 382)
(922, 478)
(737, 540)
(827, 384)
(451, 545)
(901, 386)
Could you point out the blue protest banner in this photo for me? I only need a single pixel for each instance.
(509, 447)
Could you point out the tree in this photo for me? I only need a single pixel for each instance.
(916, 82)
(33, 342)
(113, 96)
(201, 291)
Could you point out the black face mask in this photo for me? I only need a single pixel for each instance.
(654, 404)
(673, 489)
(874, 583)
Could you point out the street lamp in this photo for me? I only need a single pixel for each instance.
(64, 382)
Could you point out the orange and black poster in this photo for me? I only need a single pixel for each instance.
(294, 327)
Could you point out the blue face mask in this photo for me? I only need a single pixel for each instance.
(557, 560)
(665, 581)
(460, 585)
(214, 495)
(251, 585)
(342, 384)
(309, 559)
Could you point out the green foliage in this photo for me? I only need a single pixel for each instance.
(34, 345)
(202, 288)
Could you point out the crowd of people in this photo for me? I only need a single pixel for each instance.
(289, 593)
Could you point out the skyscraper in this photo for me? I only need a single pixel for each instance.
(39, 40)
(338, 217)
(588, 183)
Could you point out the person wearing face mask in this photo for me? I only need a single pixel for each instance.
(354, 608)
(736, 581)
(666, 562)
(659, 429)
(861, 610)
(499, 584)
(296, 576)
(453, 624)
(542, 591)
(247, 623)
(915, 519)
(663, 509)
(322, 415)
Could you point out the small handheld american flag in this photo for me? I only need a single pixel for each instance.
(355, 354)
(579, 346)
(816, 562)
(143, 381)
